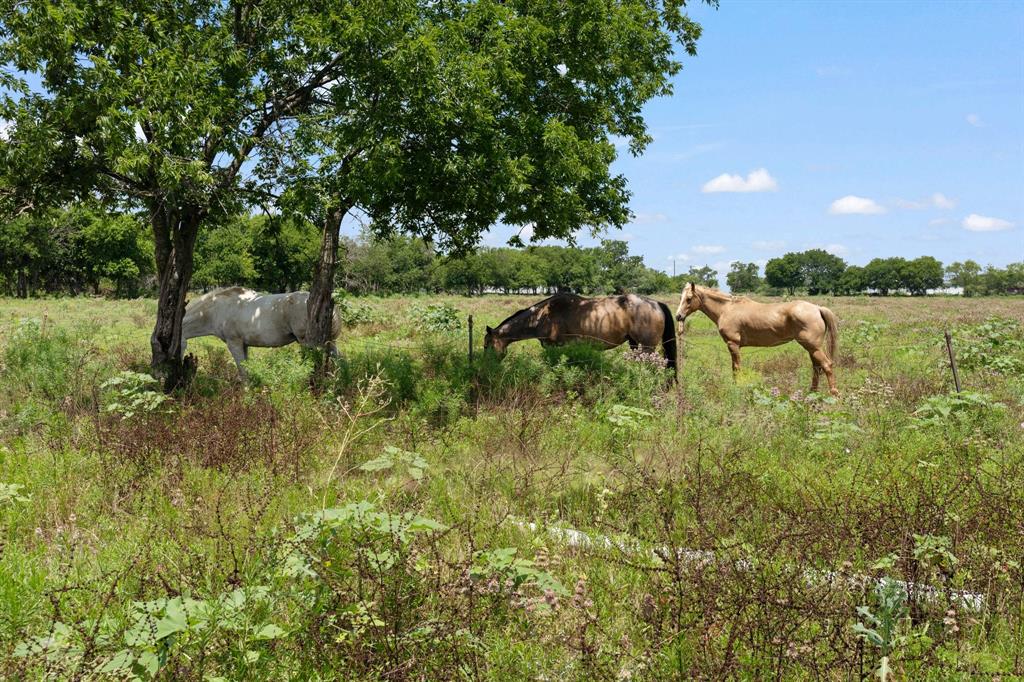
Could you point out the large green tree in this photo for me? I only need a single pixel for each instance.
(884, 274)
(921, 274)
(158, 105)
(785, 272)
(966, 275)
(743, 277)
(454, 116)
(820, 271)
(437, 119)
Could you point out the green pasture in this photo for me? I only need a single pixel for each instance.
(736, 529)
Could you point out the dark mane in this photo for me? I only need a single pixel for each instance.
(525, 310)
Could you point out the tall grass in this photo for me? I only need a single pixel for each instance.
(741, 529)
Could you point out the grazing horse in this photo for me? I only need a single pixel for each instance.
(742, 322)
(242, 318)
(608, 322)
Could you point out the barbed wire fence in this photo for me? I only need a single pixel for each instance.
(683, 341)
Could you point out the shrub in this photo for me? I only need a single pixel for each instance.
(441, 318)
(996, 345)
(45, 363)
(129, 393)
(353, 312)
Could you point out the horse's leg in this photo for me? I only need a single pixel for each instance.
(632, 342)
(821, 363)
(815, 371)
(240, 353)
(825, 363)
(734, 350)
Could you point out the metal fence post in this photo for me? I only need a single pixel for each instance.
(952, 361)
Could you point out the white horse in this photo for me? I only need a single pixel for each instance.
(242, 318)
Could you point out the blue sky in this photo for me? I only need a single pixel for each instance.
(870, 129)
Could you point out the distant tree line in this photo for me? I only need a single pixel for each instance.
(818, 272)
(90, 250)
(75, 251)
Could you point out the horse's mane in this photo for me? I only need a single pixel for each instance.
(717, 295)
(529, 309)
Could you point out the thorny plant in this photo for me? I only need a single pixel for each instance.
(370, 402)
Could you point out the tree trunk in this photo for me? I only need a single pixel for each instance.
(320, 306)
(174, 232)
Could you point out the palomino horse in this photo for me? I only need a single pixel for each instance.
(607, 322)
(742, 322)
(242, 318)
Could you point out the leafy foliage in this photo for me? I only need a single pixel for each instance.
(436, 317)
(955, 407)
(996, 345)
(131, 393)
(881, 627)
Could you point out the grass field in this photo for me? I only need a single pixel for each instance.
(412, 523)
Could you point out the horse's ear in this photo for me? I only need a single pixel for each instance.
(693, 287)
(489, 330)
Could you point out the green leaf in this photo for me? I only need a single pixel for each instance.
(421, 523)
(379, 464)
(122, 660)
(270, 631)
(174, 620)
(149, 663)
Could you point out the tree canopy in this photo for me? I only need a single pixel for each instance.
(433, 119)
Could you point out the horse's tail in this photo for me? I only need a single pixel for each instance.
(831, 330)
(668, 337)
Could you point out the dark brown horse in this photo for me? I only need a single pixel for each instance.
(607, 322)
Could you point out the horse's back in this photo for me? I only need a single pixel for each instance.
(609, 319)
(771, 324)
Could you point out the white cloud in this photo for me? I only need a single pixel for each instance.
(562, 69)
(850, 205)
(975, 120)
(709, 248)
(648, 218)
(140, 134)
(526, 234)
(757, 181)
(937, 200)
(6, 127)
(940, 221)
(837, 249)
(680, 257)
(768, 244)
(981, 223)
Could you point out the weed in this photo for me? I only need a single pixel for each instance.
(441, 318)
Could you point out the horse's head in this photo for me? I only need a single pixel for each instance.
(689, 303)
(493, 341)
